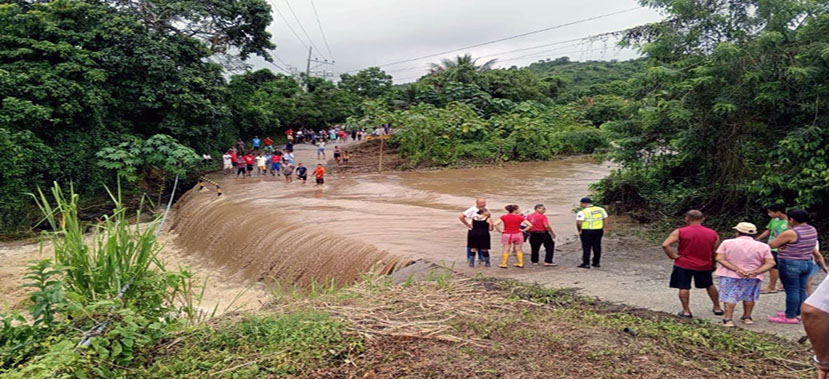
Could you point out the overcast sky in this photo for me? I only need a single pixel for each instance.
(365, 33)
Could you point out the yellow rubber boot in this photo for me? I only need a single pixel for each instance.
(520, 256)
(504, 259)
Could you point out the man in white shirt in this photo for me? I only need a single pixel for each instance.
(816, 322)
(227, 164)
(466, 219)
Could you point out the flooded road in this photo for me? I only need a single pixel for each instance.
(264, 228)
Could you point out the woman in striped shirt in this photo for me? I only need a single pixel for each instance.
(796, 248)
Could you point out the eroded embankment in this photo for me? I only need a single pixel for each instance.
(259, 240)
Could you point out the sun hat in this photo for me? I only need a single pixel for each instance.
(746, 227)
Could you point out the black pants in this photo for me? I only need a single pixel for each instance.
(536, 240)
(591, 239)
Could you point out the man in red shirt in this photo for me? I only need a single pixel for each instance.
(541, 233)
(694, 259)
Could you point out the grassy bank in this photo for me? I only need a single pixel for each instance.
(465, 328)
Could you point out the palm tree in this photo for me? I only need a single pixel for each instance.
(462, 69)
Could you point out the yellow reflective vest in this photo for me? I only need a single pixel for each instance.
(593, 218)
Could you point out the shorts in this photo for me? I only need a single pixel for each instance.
(240, 170)
(263, 168)
(250, 167)
(228, 166)
(681, 278)
(276, 166)
(320, 181)
(512, 238)
(774, 254)
(735, 290)
(336, 155)
(302, 177)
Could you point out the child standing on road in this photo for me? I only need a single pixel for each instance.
(319, 173)
(337, 154)
(249, 162)
(778, 224)
(227, 163)
(240, 166)
(345, 156)
(276, 163)
(302, 173)
(261, 169)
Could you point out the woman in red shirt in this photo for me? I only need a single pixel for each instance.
(512, 235)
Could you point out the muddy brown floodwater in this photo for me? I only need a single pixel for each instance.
(263, 228)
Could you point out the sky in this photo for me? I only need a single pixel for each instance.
(365, 33)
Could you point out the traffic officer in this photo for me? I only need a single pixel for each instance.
(590, 222)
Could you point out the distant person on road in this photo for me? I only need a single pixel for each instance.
(260, 165)
(319, 174)
(268, 142)
(466, 219)
(796, 249)
(478, 238)
(345, 156)
(302, 173)
(227, 163)
(289, 134)
(353, 134)
(591, 222)
(742, 264)
(777, 224)
(512, 235)
(816, 323)
(694, 260)
(256, 142)
(289, 147)
(240, 146)
(541, 233)
(250, 160)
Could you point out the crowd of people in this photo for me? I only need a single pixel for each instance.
(788, 249)
(265, 158)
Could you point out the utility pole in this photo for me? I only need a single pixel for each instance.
(308, 66)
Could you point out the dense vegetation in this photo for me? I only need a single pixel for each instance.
(731, 113)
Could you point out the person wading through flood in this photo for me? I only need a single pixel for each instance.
(466, 219)
(796, 249)
(591, 222)
(694, 259)
(742, 264)
(512, 235)
(541, 233)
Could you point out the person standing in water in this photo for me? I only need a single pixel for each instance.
(541, 233)
(478, 238)
(512, 235)
(302, 173)
(591, 222)
(466, 219)
(337, 154)
(227, 163)
(321, 149)
(694, 260)
(319, 174)
(240, 166)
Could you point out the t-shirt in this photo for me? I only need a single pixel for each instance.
(745, 253)
(256, 142)
(512, 223)
(539, 221)
(276, 158)
(470, 213)
(319, 172)
(233, 156)
(696, 248)
(240, 161)
(775, 227)
(226, 159)
(249, 159)
(820, 298)
(268, 141)
(289, 170)
(300, 171)
(260, 161)
(289, 158)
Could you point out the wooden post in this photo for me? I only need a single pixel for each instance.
(380, 164)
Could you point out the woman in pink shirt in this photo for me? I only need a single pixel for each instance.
(512, 235)
(742, 264)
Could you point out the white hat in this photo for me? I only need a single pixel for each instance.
(746, 227)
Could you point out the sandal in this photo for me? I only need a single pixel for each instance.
(783, 320)
(728, 323)
(683, 315)
(768, 291)
(718, 313)
(783, 314)
(747, 320)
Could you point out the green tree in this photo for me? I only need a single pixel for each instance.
(462, 69)
(369, 83)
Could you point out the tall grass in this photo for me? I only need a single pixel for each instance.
(118, 253)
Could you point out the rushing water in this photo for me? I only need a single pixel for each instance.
(265, 228)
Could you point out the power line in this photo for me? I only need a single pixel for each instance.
(507, 38)
(290, 8)
(289, 26)
(325, 40)
(280, 67)
(278, 58)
